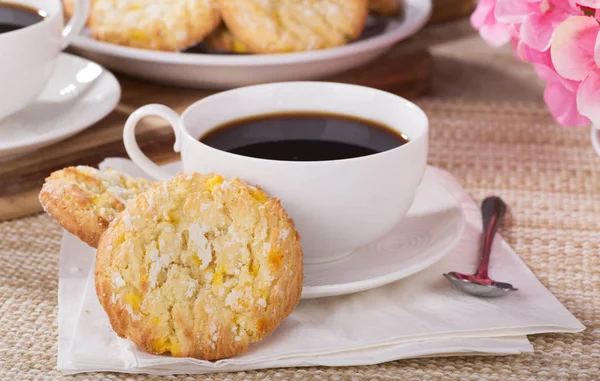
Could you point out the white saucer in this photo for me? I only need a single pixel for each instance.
(431, 230)
(78, 94)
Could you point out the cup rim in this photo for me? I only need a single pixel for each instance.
(47, 19)
(412, 141)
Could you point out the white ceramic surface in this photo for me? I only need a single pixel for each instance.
(226, 71)
(78, 94)
(338, 206)
(596, 139)
(28, 55)
(431, 230)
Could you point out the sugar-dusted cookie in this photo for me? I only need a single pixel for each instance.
(69, 7)
(199, 266)
(279, 26)
(153, 24)
(384, 7)
(85, 200)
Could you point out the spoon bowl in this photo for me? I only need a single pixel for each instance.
(480, 284)
(470, 285)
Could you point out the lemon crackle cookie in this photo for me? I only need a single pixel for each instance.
(280, 26)
(84, 200)
(153, 24)
(199, 266)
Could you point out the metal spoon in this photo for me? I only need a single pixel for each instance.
(479, 284)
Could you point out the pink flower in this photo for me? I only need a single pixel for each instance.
(560, 96)
(483, 20)
(589, 3)
(538, 18)
(576, 57)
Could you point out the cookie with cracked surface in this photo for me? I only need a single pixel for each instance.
(199, 266)
(280, 26)
(222, 39)
(384, 7)
(69, 8)
(84, 200)
(149, 24)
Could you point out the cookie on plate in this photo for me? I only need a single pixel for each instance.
(199, 266)
(69, 7)
(384, 7)
(280, 26)
(223, 39)
(158, 25)
(85, 200)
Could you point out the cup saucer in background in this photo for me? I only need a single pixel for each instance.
(78, 94)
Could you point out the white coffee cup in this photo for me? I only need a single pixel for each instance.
(28, 55)
(338, 206)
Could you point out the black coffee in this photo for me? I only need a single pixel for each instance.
(17, 16)
(303, 137)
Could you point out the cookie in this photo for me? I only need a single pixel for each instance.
(280, 26)
(149, 24)
(85, 200)
(222, 39)
(384, 7)
(199, 266)
(69, 8)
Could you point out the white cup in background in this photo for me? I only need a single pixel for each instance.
(28, 55)
(337, 206)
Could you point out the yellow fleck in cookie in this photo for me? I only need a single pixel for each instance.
(199, 266)
(152, 24)
(85, 200)
(223, 39)
(384, 7)
(279, 26)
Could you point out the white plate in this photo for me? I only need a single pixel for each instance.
(78, 94)
(431, 230)
(228, 70)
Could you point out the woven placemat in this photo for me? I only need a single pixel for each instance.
(549, 176)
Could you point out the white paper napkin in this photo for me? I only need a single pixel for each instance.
(415, 317)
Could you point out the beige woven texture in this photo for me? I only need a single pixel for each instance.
(549, 176)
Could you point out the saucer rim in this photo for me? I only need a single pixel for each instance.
(314, 292)
(24, 146)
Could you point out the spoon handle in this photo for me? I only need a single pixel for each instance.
(492, 211)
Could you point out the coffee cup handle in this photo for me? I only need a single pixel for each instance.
(76, 23)
(132, 147)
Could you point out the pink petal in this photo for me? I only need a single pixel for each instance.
(538, 28)
(481, 13)
(534, 56)
(549, 75)
(597, 48)
(588, 97)
(569, 6)
(563, 107)
(514, 11)
(589, 3)
(495, 34)
(573, 47)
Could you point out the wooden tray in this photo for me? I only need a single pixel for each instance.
(403, 70)
(448, 10)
